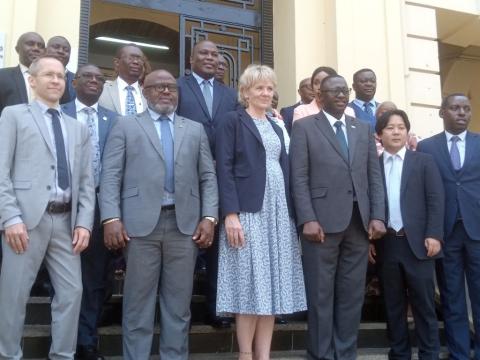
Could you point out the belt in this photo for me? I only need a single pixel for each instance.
(399, 233)
(54, 207)
(168, 207)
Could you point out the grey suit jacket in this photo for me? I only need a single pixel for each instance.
(132, 180)
(325, 182)
(110, 98)
(27, 163)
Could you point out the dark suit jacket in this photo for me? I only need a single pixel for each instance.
(69, 93)
(422, 201)
(241, 164)
(12, 87)
(191, 104)
(287, 115)
(325, 182)
(106, 119)
(462, 188)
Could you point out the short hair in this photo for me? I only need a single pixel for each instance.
(118, 53)
(331, 77)
(326, 69)
(252, 74)
(358, 72)
(382, 122)
(34, 66)
(447, 98)
(81, 67)
(58, 37)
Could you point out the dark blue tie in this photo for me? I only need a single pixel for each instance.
(62, 165)
(455, 154)
(341, 138)
(167, 143)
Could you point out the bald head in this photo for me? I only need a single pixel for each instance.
(30, 46)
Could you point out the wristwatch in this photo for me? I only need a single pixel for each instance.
(212, 219)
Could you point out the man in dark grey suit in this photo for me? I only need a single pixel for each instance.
(47, 199)
(340, 204)
(159, 197)
(59, 47)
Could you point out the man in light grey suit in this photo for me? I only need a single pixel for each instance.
(124, 95)
(47, 202)
(339, 201)
(159, 197)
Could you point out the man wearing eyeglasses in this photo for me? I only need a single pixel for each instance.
(159, 201)
(88, 84)
(340, 205)
(124, 94)
(47, 202)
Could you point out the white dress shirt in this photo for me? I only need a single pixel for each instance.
(461, 144)
(122, 93)
(201, 84)
(393, 178)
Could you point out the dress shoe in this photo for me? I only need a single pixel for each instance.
(280, 320)
(218, 322)
(88, 353)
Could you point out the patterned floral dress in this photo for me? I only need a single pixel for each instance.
(265, 276)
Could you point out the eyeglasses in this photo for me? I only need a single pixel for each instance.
(90, 76)
(338, 91)
(163, 87)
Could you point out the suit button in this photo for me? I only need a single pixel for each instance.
(458, 183)
(52, 167)
(49, 187)
(349, 191)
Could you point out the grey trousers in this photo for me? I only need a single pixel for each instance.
(51, 242)
(163, 261)
(335, 272)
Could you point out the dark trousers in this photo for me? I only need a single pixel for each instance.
(461, 259)
(406, 279)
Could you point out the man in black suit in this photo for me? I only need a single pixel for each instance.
(14, 88)
(59, 47)
(88, 83)
(206, 100)
(406, 254)
(306, 96)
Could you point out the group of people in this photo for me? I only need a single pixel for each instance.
(289, 206)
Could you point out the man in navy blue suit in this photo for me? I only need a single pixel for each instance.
(457, 154)
(88, 83)
(203, 99)
(306, 96)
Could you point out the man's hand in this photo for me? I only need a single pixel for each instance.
(81, 237)
(433, 246)
(376, 229)
(17, 237)
(114, 235)
(234, 231)
(203, 235)
(372, 253)
(313, 231)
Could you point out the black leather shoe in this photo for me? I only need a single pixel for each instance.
(88, 353)
(280, 320)
(218, 322)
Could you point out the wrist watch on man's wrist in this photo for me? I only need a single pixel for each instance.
(212, 219)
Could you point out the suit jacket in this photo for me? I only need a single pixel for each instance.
(69, 93)
(325, 182)
(106, 119)
(110, 98)
(132, 179)
(27, 161)
(287, 115)
(462, 196)
(422, 201)
(241, 164)
(12, 87)
(191, 104)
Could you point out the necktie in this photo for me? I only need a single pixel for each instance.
(62, 165)
(393, 193)
(341, 138)
(167, 144)
(207, 95)
(455, 154)
(92, 129)
(368, 109)
(130, 108)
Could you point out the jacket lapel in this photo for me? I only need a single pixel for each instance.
(217, 97)
(179, 133)
(470, 150)
(112, 91)
(382, 168)
(442, 147)
(71, 133)
(40, 121)
(247, 120)
(146, 123)
(20, 84)
(408, 165)
(103, 123)
(192, 83)
(324, 125)
(352, 135)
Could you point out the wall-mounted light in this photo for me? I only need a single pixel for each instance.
(122, 41)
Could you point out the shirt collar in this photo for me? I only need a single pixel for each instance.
(332, 119)
(401, 153)
(154, 115)
(122, 84)
(200, 79)
(80, 106)
(361, 103)
(44, 107)
(461, 135)
(23, 68)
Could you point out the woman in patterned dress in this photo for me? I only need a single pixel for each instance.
(260, 272)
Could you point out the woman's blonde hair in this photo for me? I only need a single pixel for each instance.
(253, 74)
